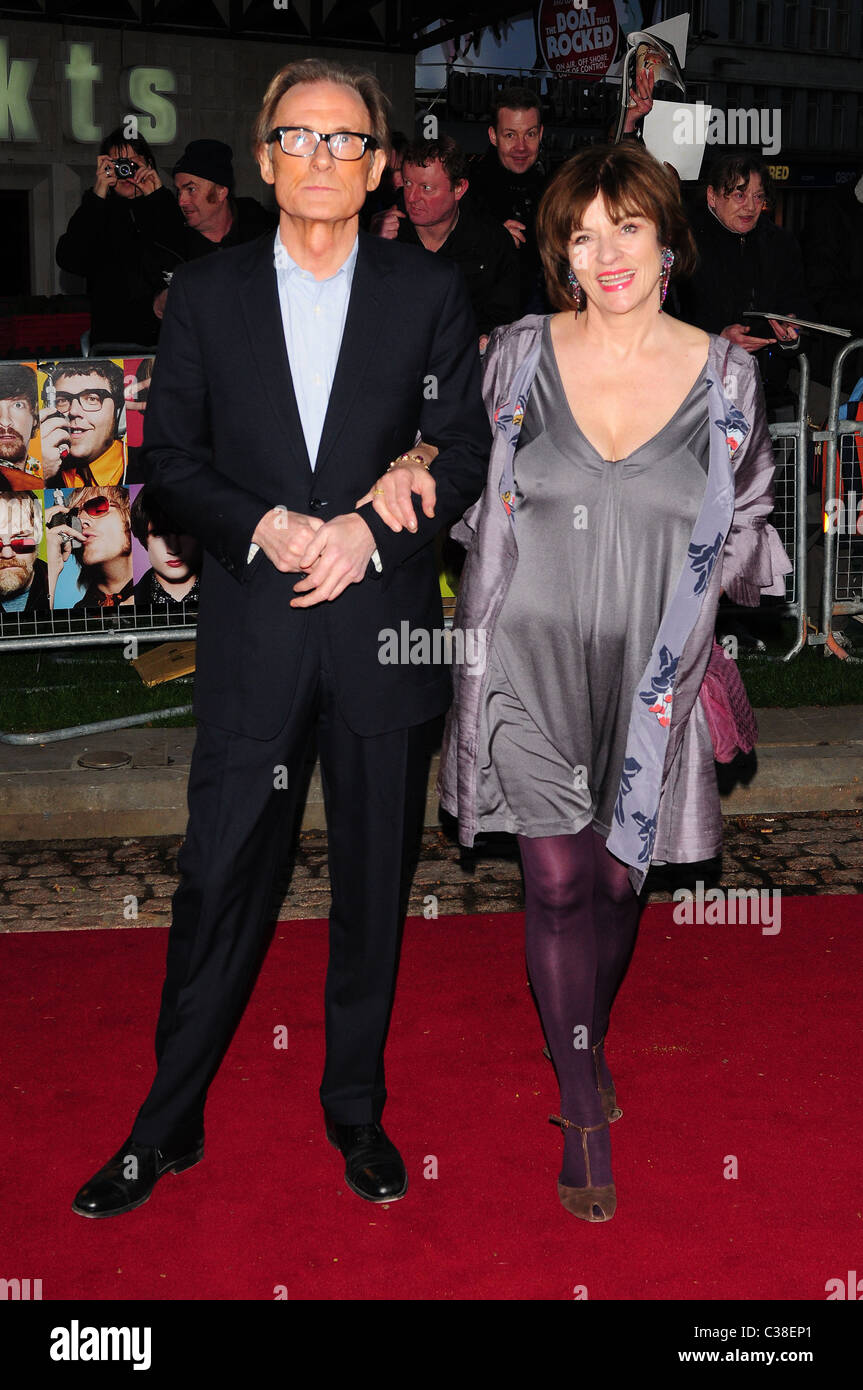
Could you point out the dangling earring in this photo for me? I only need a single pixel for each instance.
(576, 290)
(667, 263)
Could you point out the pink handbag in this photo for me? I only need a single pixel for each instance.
(730, 717)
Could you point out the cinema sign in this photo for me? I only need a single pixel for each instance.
(577, 38)
(148, 95)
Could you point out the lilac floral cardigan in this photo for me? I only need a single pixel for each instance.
(667, 807)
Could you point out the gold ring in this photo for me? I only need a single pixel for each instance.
(377, 492)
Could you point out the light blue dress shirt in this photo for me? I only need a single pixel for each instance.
(313, 319)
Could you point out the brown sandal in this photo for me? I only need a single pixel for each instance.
(590, 1203)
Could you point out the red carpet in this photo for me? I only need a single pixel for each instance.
(725, 1042)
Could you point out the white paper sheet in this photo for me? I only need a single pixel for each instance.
(676, 133)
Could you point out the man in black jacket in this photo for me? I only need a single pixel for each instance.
(215, 218)
(291, 370)
(127, 231)
(509, 180)
(438, 217)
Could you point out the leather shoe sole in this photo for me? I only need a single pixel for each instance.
(113, 1190)
(374, 1168)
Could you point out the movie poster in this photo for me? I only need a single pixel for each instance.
(82, 423)
(79, 533)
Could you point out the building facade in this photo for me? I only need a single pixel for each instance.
(64, 86)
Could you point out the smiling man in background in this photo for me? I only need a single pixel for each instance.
(509, 180)
(80, 438)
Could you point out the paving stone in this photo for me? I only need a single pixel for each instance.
(851, 876)
(817, 861)
(116, 885)
(852, 854)
(28, 894)
(52, 868)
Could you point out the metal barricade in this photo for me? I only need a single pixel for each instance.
(842, 588)
(68, 629)
(790, 446)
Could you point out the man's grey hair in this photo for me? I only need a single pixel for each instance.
(365, 84)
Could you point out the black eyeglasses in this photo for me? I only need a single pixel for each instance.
(342, 144)
(91, 400)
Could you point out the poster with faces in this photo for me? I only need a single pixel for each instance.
(71, 433)
(20, 467)
(23, 571)
(82, 422)
(166, 561)
(23, 580)
(88, 548)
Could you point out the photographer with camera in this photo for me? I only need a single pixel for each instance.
(127, 231)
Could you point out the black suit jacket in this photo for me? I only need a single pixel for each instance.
(223, 444)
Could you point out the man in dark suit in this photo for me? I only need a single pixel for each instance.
(289, 373)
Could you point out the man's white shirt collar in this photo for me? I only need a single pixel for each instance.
(284, 261)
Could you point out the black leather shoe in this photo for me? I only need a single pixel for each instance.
(373, 1165)
(128, 1179)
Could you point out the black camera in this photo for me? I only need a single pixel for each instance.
(125, 168)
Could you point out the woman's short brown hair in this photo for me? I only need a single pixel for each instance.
(633, 184)
(365, 84)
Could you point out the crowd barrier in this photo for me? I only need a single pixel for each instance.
(791, 447)
(842, 493)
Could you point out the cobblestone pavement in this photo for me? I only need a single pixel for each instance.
(128, 883)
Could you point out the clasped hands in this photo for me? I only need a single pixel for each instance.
(330, 555)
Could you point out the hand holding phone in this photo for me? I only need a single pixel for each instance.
(55, 441)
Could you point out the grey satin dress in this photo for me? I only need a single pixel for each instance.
(600, 547)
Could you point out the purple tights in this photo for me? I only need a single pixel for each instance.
(581, 917)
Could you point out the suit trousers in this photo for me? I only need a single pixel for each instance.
(241, 816)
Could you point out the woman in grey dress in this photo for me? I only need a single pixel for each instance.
(629, 483)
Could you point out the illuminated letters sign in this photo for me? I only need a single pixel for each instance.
(149, 90)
